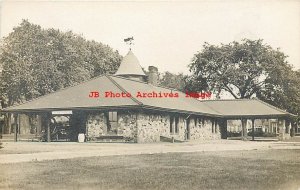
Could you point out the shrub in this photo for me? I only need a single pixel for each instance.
(234, 134)
(261, 134)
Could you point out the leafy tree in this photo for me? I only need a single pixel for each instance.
(282, 89)
(247, 69)
(238, 68)
(38, 61)
(171, 80)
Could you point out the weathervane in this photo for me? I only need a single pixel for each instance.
(129, 41)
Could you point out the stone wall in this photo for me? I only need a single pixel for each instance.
(25, 125)
(96, 125)
(148, 127)
(127, 126)
(203, 130)
(284, 129)
(181, 129)
(151, 126)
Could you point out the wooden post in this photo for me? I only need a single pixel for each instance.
(48, 128)
(9, 122)
(16, 127)
(244, 129)
(224, 129)
(253, 129)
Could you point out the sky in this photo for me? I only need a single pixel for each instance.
(167, 33)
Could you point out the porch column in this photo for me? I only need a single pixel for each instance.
(16, 127)
(281, 126)
(48, 127)
(9, 122)
(253, 129)
(223, 129)
(244, 129)
(288, 128)
(1, 127)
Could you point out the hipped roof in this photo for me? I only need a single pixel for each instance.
(77, 97)
(244, 108)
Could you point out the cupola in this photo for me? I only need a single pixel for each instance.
(130, 68)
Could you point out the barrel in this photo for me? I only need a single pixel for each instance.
(81, 137)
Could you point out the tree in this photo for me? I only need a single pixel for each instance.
(176, 81)
(282, 89)
(38, 61)
(247, 69)
(242, 69)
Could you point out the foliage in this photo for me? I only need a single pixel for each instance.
(234, 134)
(38, 61)
(246, 69)
(238, 68)
(171, 80)
(282, 89)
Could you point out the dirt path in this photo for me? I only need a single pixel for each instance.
(29, 151)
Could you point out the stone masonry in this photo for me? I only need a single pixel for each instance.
(203, 129)
(148, 127)
(96, 125)
(127, 126)
(152, 126)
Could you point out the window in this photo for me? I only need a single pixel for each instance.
(113, 116)
(174, 127)
(214, 126)
(198, 122)
(112, 123)
(171, 124)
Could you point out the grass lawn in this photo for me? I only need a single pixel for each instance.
(256, 169)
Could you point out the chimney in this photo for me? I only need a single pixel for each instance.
(153, 75)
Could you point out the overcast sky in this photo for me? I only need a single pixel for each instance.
(167, 34)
